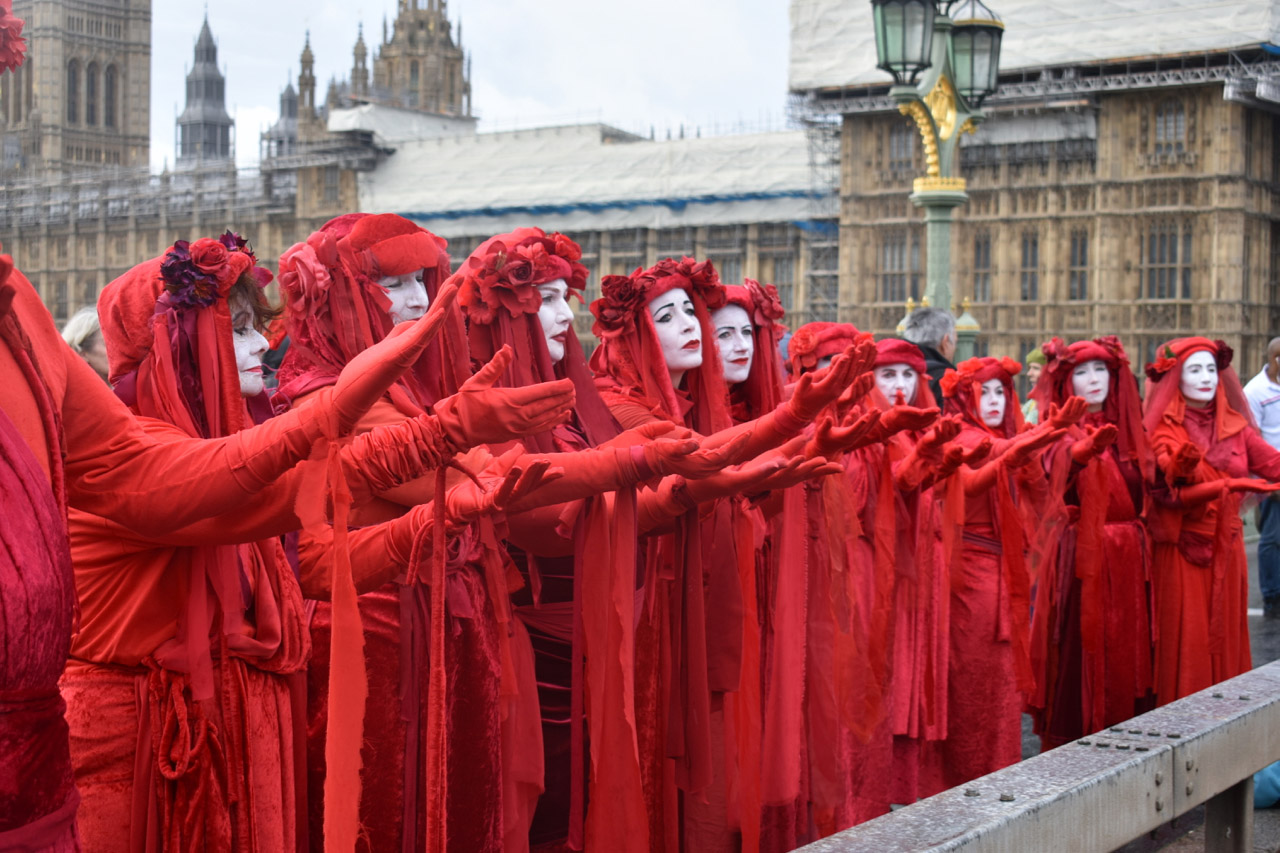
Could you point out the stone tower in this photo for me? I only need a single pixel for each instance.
(204, 128)
(360, 67)
(421, 66)
(83, 96)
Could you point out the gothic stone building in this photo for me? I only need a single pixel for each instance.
(1127, 179)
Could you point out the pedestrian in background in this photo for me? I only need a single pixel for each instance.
(1263, 393)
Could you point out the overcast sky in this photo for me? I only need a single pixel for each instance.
(710, 63)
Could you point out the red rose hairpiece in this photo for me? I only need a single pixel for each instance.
(1223, 355)
(621, 297)
(198, 274)
(506, 270)
(1165, 362)
(13, 46)
(766, 305)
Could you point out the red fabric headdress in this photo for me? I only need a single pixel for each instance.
(167, 329)
(504, 272)
(13, 46)
(335, 309)
(962, 392)
(630, 356)
(1164, 400)
(1123, 406)
(898, 351)
(762, 391)
(813, 342)
(498, 292)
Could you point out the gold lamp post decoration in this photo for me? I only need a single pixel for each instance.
(944, 56)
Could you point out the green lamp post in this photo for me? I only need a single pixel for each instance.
(944, 56)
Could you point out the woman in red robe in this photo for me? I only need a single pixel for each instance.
(68, 441)
(990, 664)
(143, 674)
(1205, 448)
(1092, 634)
(651, 368)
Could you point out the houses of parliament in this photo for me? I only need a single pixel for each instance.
(1107, 193)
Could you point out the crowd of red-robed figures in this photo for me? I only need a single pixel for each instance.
(447, 585)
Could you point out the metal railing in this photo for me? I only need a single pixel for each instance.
(1105, 790)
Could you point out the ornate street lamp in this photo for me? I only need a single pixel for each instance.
(944, 56)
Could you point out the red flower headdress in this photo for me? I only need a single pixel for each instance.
(13, 46)
(505, 271)
(617, 308)
(631, 357)
(962, 392)
(198, 274)
(813, 342)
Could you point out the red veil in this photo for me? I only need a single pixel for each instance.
(761, 392)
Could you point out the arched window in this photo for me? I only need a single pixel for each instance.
(109, 97)
(91, 94)
(73, 92)
(1171, 127)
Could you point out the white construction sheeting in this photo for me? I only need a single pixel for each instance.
(392, 124)
(833, 44)
(584, 177)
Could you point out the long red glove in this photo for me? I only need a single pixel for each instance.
(1182, 464)
(926, 457)
(898, 419)
(368, 376)
(1096, 440)
(482, 414)
(813, 393)
(832, 441)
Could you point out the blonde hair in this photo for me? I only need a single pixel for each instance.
(82, 326)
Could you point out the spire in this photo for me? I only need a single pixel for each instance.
(307, 81)
(206, 50)
(204, 127)
(360, 68)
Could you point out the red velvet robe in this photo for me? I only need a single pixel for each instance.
(1093, 641)
(1199, 563)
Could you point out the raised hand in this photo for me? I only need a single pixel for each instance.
(482, 414)
(368, 376)
(683, 457)
(930, 446)
(978, 453)
(470, 500)
(1095, 441)
(1028, 444)
(1249, 484)
(901, 418)
(1068, 414)
(1184, 460)
(646, 433)
(797, 470)
(854, 431)
(815, 391)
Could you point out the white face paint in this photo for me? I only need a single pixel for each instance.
(993, 402)
(1199, 377)
(250, 347)
(897, 382)
(679, 332)
(556, 316)
(735, 336)
(1092, 381)
(824, 362)
(408, 296)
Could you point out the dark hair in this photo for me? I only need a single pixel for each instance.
(246, 288)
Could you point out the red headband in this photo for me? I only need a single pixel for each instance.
(898, 351)
(813, 342)
(386, 244)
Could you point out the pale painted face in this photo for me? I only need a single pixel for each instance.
(824, 362)
(1092, 381)
(735, 337)
(679, 332)
(1199, 377)
(250, 347)
(993, 402)
(897, 382)
(408, 296)
(556, 316)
